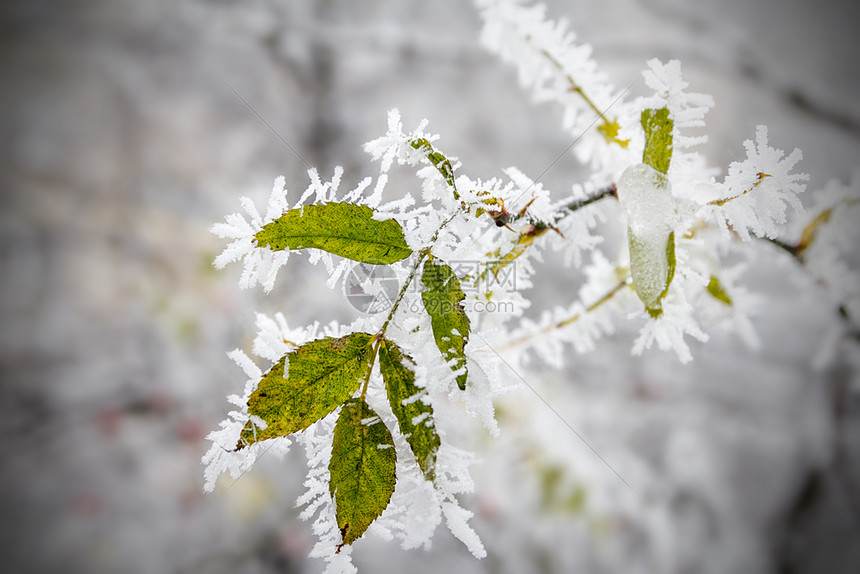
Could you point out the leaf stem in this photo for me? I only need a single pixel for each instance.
(424, 253)
(797, 253)
(574, 87)
(609, 128)
(538, 228)
(793, 250)
(725, 200)
(402, 293)
(608, 191)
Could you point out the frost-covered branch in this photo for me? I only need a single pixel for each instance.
(378, 404)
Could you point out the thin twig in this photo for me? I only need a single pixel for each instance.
(725, 200)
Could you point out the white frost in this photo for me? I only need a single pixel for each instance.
(261, 264)
(222, 456)
(646, 197)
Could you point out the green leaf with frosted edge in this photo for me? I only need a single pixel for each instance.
(362, 469)
(443, 300)
(345, 229)
(651, 289)
(715, 288)
(398, 372)
(439, 161)
(658, 138)
(322, 374)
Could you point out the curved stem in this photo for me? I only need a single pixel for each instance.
(608, 191)
(574, 87)
(402, 292)
(424, 253)
(725, 200)
(526, 238)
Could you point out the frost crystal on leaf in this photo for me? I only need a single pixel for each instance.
(397, 146)
(757, 192)
(223, 455)
(261, 264)
(668, 330)
(647, 200)
(275, 338)
(687, 109)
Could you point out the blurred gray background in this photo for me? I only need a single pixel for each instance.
(125, 136)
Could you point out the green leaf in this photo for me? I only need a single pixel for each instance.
(715, 288)
(322, 374)
(652, 267)
(658, 138)
(443, 300)
(398, 372)
(439, 161)
(671, 263)
(610, 129)
(345, 229)
(362, 469)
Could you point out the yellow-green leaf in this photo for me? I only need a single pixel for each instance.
(658, 138)
(715, 288)
(345, 229)
(671, 263)
(414, 418)
(610, 130)
(439, 161)
(322, 374)
(652, 267)
(443, 300)
(362, 469)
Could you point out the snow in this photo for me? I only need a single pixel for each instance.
(261, 264)
(760, 189)
(223, 456)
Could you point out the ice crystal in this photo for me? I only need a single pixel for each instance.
(556, 68)
(669, 329)
(261, 264)
(224, 455)
(757, 191)
(687, 109)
